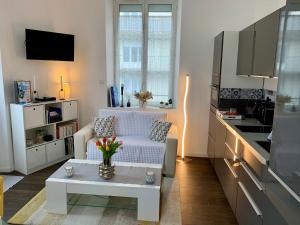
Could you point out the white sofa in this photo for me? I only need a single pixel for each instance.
(133, 128)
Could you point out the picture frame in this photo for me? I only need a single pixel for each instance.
(22, 91)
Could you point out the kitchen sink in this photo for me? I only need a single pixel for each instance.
(255, 129)
(265, 145)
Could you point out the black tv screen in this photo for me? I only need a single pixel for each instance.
(44, 45)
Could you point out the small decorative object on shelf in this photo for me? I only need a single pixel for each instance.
(67, 90)
(161, 104)
(150, 177)
(143, 97)
(128, 101)
(22, 92)
(122, 95)
(69, 171)
(108, 147)
(39, 139)
(35, 92)
(61, 92)
(166, 105)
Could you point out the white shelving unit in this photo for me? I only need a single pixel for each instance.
(27, 120)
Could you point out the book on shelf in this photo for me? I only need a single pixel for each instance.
(54, 115)
(69, 146)
(66, 130)
(114, 96)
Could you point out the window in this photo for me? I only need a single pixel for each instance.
(145, 47)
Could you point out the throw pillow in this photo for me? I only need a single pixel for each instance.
(159, 130)
(104, 126)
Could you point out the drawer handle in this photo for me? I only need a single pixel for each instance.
(70, 103)
(54, 143)
(286, 187)
(36, 149)
(248, 196)
(230, 168)
(34, 109)
(229, 148)
(250, 174)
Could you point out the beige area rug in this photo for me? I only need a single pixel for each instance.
(100, 210)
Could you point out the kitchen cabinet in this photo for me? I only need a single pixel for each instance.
(228, 179)
(247, 211)
(245, 51)
(217, 62)
(266, 41)
(216, 139)
(211, 149)
(260, 46)
(211, 137)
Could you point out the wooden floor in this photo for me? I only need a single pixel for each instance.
(16, 197)
(202, 199)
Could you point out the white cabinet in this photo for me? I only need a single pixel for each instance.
(34, 116)
(70, 110)
(35, 127)
(55, 150)
(36, 156)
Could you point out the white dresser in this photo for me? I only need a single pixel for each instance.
(29, 121)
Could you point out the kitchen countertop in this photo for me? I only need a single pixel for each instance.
(249, 138)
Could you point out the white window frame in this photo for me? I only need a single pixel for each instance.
(145, 3)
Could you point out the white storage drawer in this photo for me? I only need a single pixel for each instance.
(34, 116)
(36, 156)
(55, 150)
(70, 110)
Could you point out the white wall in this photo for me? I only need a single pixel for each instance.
(201, 22)
(85, 19)
(266, 7)
(6, 158)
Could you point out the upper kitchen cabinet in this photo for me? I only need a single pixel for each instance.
(260, 46)
(266, 42)
(245, 52)
(217, 63)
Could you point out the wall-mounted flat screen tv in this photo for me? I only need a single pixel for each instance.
(44, 45)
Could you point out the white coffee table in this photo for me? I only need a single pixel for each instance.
(129, 181)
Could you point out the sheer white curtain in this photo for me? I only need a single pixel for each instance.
(160, 67)
(129, 48)
(144, 49)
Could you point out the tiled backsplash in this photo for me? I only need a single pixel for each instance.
(241, 93)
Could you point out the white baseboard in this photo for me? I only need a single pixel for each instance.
(6, 170)
(194, 154)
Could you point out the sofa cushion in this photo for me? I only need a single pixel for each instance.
(104, 126)
(133, 122)
(159, 130)
(136, 149)
(123, 122)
